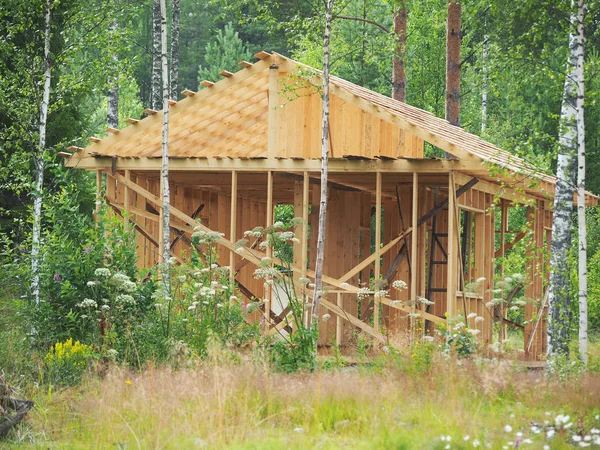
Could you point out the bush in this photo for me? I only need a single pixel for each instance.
(67, 361)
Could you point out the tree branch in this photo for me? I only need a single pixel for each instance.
(361, 19)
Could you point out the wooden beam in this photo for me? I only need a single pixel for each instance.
(272, 149)
(396, 304)
(172, 102)
(304, 238)
(188, 93)
(268, 290)
(112, 130)
(225, 73)
(150, 112)
(93, 139)
(244, 64)
(519, 237)
(131, 121)
(262, 55)
(353, 320)
(207, 83)
(233, 224)
(377, 270)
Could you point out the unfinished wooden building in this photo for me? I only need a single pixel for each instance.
(252, 141)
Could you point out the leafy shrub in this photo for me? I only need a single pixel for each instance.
(67, 361)
(458, 338)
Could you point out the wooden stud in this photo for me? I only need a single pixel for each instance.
(452, 253)
(244, 64)
(415, 266)
(150, 112)
(504, 226)
(207, 83)
(98, 194)
(262, 55)
(233, 224)
(188, 93)
(126, 199)
(112, 130)
(93, 139)
(225, 73)
(339, 326)
(377, 270)
(131, 121)
(304, 237)
(269, 252)
(172, 102)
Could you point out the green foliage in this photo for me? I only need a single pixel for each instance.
(458, 338)
(223, 54)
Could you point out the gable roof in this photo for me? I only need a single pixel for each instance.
(230, 119)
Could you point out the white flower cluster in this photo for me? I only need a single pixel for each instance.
(425, 301)
(207, 237)
(88, 303)
(255, 233)
(363, 293)
(123, 282)
(102, 272)
(125, 300)
(207, 292)
(399, 285)
(266, 273)
(381, 294)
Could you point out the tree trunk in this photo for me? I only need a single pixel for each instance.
(453, 63)
(113, 87)
(559, 301)
(484, 84)
(166, 237)
(324, 168)
(175, 50)
(399, 59)
(155, 83)
(583, 314)
(39, 163)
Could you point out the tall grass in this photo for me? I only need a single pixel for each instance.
(247, 407)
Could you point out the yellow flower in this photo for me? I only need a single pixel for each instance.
(128, 382)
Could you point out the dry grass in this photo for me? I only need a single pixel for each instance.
(246, 407)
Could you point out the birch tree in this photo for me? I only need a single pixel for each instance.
(155, 85)
(583, 313)
(175, 27)
(166, 237)
(39, 161)
(113, 86)
(399, 59)
(559, 302)
(324, 167)
(453, 63)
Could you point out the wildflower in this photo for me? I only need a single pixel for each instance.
(88, 303)
(112, 353)
(266, 261)
(395, 302)
(88, 250)
(472, 316)
(459, 325)
(311, 285)
(476, 443)
(57, 278)
(381, 294)
(298, 430)
(125, 299)
(233, 298)
(191, 308)
(128, 382)
(303, 280)
(414, 315)
(363, 293)
(219, 305)
(466, 438)
(159, 306)
(399, 285)
(527, 441)
(345, 286)
(425, 301)
(507, 428)
(479, 319)
(181, 278)
(474, 331)
(326, 317)
(480, 280)
(105, 307)
(102, 272)
(550, 433)
(129, 286)
(92, 283)
(428, 338)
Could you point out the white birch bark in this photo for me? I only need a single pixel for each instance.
(484, 85)
(324, 167)
(39, 163)
(155, 85)
(583, 313)
(559, 308)
(175, 50)
(113, 87)
(166, 237)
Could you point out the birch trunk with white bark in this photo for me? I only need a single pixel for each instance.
(324, 168)
(559, 301)
(113, 88)
(155, 82)
(39, 162)
(166, 195)
(583, 313)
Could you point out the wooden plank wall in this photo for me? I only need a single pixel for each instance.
(352, 130)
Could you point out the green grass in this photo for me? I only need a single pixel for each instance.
(244, 407)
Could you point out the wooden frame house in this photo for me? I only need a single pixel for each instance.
(251, 141)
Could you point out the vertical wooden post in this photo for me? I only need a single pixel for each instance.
(161, 242)
(126, 192)
(452, 251)
(98, 194)
(339, 326)
(504, 227)
(377, 248)
(268, 291)
(304, 238)
(233, 224)
(273, 110)
(415, 266)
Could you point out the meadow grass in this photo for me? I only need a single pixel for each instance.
(245, 406)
